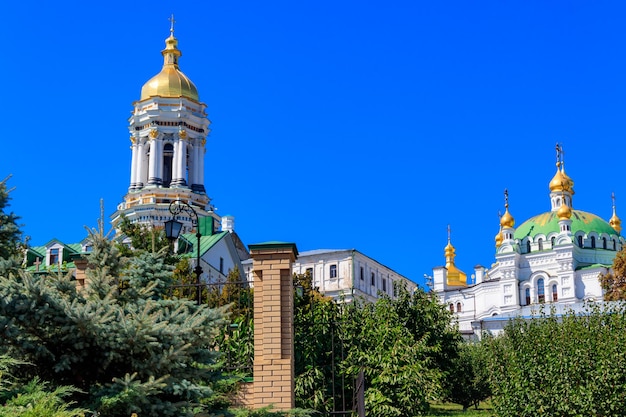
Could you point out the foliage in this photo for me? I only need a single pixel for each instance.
(468, 381)
(10, 234)
(397, 354)
(129, 351)
(142, 238)
(613, 282)
(316, 336)
(34, 400)
(570, 365)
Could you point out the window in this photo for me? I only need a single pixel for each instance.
(451, 308)
(373, 278)
(384, 285)
(333, 271)
(580, 241)
(603, 243)
(168, 155)
(552, 241)
(54, 256)
(614, 245)
(540, 244)
(309, 272)
(555, 295)
(528, 246)
(527, 296)
(221, 265)
(458, 307)
(541, 291)
(593, 242)
(362, 274)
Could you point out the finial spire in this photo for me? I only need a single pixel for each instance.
(172, 21)
(559, 156)
(613, 200)
(506, 198)
(449, 230)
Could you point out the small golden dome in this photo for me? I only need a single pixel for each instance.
(499, 239)
(456, 277)
(170, 82)
(507, 220)
(564, 212)
(615, 222)
(560, 182)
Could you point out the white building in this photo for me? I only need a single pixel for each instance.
(345, 274)
(552, 258)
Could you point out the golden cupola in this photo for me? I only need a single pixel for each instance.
(615, 222)
(170, 82)
(506, 221)
(455, 277)
(561, 182)
(564, 212)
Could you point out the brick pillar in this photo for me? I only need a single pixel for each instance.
(273, 324)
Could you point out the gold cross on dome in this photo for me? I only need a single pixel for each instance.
(172, 21)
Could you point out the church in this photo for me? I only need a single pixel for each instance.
(550, 261)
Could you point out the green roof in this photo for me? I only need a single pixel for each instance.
(206, 242)
(548, 222)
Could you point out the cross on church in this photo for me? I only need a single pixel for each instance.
(37, 263)
(172, 21)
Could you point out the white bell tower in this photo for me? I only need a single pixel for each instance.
(168, 132)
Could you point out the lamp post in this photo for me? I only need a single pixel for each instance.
(173, 228)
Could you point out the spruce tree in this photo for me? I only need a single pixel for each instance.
(128, 347)
(10, 234)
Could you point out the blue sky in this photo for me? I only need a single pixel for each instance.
(336, 124)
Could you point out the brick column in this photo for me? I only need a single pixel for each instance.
(273, 324)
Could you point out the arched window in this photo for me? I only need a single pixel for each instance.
(540, 244)
(580, 241)
(541, 291)
(603, 243)
(528, 246)
(593, 242)
(558, 202)
(555, 295)
(168, 156)
(552, 241)
(527, 296)
(451, 308)
(614, 245)
(458, 307)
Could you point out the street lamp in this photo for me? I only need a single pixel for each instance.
(172, 230)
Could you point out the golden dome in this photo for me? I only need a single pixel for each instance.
(499, 239)
(507, 220)
(455, 277)
(170, 82)
(564, 212)
(561, 182)
(615, 222)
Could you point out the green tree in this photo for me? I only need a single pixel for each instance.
(614, 282)
(316, 342)
(129, 350)
(143, 238)
(10, 233)
(468, 380)
(398, 348)
(561, 365)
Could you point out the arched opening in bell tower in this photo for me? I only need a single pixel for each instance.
(168, 157)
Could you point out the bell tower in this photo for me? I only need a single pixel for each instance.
(168, 133)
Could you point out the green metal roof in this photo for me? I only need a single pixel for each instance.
(206, 242)
(592, 266)
(548, 222)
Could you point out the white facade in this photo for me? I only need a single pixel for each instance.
(553, 259)
(345, 274)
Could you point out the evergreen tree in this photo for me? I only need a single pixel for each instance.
(127, 347)
(10, 234)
